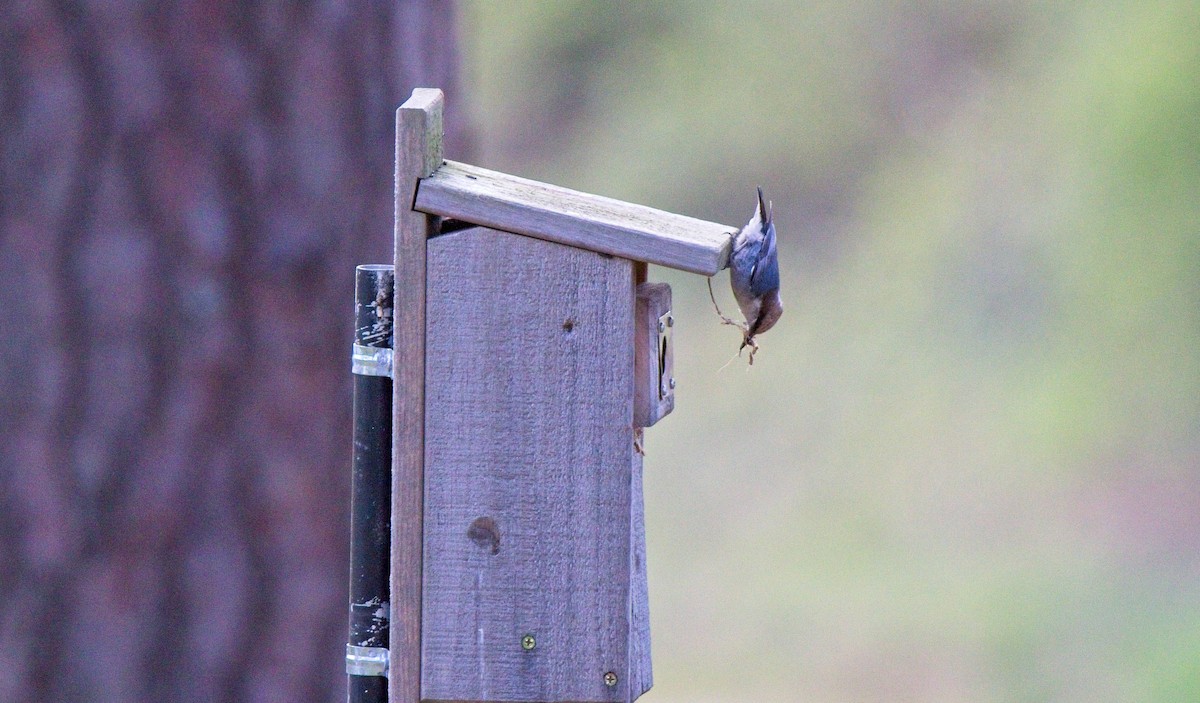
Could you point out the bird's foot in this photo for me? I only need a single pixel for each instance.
(748, 341)
(724, 320)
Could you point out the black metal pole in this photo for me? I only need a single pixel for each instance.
(371, 485)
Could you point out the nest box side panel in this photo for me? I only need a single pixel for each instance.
(528, 480)
(641, 678)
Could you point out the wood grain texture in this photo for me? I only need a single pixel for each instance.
(654, 366)
(418, 152)
(641, 676)
(527, 467)
(566, 216)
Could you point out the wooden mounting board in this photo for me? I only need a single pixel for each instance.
(418, 152)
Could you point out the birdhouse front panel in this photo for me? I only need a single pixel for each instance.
(529, 527)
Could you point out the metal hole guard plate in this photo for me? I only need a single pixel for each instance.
(366, 661)
(666, 383)
(371, 361)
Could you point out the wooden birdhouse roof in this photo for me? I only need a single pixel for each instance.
(504, 202)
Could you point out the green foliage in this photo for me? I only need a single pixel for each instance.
(964, 466)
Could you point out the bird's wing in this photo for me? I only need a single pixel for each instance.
(764, 274)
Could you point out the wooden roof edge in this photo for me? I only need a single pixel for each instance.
(513, 204)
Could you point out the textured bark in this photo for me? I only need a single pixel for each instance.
(185, 189)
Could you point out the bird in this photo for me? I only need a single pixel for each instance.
(754, 275)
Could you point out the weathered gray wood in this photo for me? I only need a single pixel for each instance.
(641, 677)
(527, 470)
(418, 153)
(654, 367)
(593, 222)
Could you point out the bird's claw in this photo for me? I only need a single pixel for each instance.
(748, 341)
(747, 338)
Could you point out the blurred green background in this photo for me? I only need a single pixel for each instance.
(964, 465)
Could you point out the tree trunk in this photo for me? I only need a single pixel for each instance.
(185, 189)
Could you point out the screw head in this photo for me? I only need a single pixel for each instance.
(528, 642)
(671, 383)
(670, 320)
(610, 679)
(661, 328)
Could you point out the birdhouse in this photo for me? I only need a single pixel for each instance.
(530, 355)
